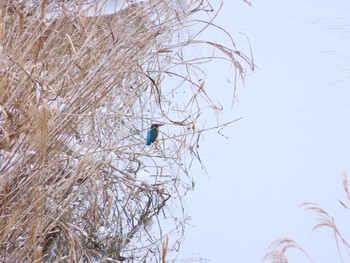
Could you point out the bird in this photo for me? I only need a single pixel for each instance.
(152, 133)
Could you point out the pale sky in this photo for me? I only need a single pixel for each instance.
(293, 143)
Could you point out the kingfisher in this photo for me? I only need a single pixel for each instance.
(152, 133)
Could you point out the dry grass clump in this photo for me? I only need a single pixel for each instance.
(278, 248)
(78, 89)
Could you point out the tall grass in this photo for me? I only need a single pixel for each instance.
(278, 249)
(78, 90)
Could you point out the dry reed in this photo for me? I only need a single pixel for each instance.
(78, 89)
(278, 248)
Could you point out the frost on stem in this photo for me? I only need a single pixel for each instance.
(78, 90)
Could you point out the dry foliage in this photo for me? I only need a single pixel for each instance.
(78, 90)
(278, 248)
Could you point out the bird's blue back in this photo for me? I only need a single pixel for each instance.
(152, 135)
